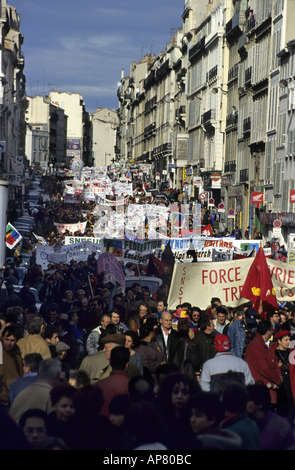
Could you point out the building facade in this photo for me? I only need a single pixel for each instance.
(215, 110)
(46, 136)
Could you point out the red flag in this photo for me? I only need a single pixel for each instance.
(160, 265)
(207, 230)
(258, 286)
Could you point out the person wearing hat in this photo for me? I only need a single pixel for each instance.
(286, 393)
(181, 314)
(241, 332)
(110, 342)
(223, 362)
(61, 350)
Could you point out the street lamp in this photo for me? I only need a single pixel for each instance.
(215, 90)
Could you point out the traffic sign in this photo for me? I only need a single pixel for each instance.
(231, 213)
(211, 201)
(277, 223)
(203, 196)
(221, 206)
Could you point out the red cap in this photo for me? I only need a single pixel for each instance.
(221, 343)
(281, 334)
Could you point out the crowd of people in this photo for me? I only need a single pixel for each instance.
(90, 370)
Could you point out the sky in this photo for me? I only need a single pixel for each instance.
(81, 46)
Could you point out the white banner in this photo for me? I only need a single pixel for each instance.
(72, 228)
(77, 252)
(197, 283)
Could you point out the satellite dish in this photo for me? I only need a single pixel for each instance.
(119, 84)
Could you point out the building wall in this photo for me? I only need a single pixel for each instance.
(104, 125)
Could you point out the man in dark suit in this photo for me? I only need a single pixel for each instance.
(164, 333)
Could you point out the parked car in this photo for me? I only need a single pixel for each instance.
(153, 283)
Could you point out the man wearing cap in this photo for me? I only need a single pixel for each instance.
(61, 350)
(223, 362)
(110, 342)
(241, 332)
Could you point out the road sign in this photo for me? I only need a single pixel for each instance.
(203, 196)
(211, 201)
(277, 223)
(221, 206)
(231, 214)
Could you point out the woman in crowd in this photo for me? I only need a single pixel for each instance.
(132, 342)
(150, 351)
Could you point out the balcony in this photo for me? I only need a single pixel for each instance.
(212, 73)
(251, 23)
(180, 112)
(150, 80)
(208, 117)
(248, 75)
(163, 70)
(244, 175)
(149, 130)
(230, 167)
(196, 49)
(233, 27)
(233, 72)
(247, 125)
(232, 119)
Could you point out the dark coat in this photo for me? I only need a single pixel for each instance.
(183, 353)
(159, 338)
(152, 355)
(204, 348)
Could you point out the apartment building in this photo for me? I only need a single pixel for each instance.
(46, 136)
(218, 105)
(206, 100)
(12, 90)
(104, 126)
(79, 127)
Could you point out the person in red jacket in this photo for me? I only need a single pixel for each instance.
(262, 360)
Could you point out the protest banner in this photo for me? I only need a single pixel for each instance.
(197, 283)
(133, 251)
(77, 252)
(81, 226)
(73, 240)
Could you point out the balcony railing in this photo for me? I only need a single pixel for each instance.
(196, 48)
(208, 116)
(251, 23)
(244, 175)
(233, 72)
(232, 119)
(212, 73)
(230, 167)
(248, 75)
(247, 124)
